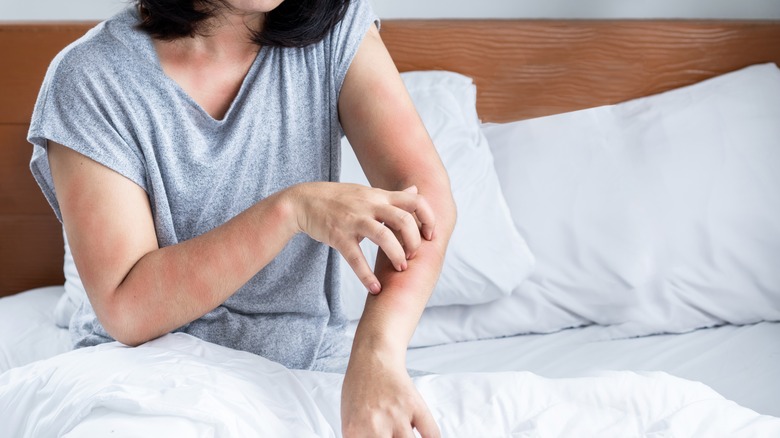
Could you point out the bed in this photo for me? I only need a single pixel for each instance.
(509, 368)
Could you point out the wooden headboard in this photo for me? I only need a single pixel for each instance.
(522, 69)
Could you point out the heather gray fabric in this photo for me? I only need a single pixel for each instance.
(107, 97)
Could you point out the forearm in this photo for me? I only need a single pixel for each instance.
(390, 318)
(172, 286)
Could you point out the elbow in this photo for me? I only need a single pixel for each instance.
(121, 323)
(448, 209)
(442, 201)
(128, 334)
(452, 210)
(128, 339)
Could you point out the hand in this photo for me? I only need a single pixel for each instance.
(378, 400)
(341, 215)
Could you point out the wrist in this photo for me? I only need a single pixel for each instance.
(291, 204)
(378, 348)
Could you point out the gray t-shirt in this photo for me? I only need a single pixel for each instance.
(107, 97)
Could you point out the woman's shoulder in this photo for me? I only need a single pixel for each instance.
(357, 16)
(105, 47)
(346, 36)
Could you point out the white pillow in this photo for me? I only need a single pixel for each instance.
(661, 214)
(74, 290)
(487, 258)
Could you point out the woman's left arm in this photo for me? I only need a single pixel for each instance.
(396, 152)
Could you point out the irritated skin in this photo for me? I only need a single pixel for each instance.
(140, 291)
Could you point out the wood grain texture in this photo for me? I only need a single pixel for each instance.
(30, 253)
(522, 69)
(31, 246)
(526, 69)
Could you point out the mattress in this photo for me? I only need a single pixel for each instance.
(741, 363)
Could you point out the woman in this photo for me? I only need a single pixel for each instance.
(190, 149)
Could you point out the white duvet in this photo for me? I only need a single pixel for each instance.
(180, 386)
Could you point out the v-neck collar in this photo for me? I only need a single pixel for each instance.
(137, 38)
(233, 104)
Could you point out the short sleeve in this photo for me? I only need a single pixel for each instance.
(80, 106)
(347, 36)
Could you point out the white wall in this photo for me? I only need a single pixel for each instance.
(27, 10)
(15, 10)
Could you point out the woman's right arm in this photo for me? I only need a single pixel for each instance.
(140, 291)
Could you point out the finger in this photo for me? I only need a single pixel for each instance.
(411, 189)
(404, 432)
(405, 224)
(418, 205)
(386, 240)
(424, 422)
(424, 213)
(357, 261)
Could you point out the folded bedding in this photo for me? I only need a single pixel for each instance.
(181, 386)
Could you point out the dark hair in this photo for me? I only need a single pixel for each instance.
(294, 23)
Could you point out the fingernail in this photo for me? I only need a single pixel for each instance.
(404, 266)
(374, 288)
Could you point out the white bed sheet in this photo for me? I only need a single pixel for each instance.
(181, 386)
(741, 363)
